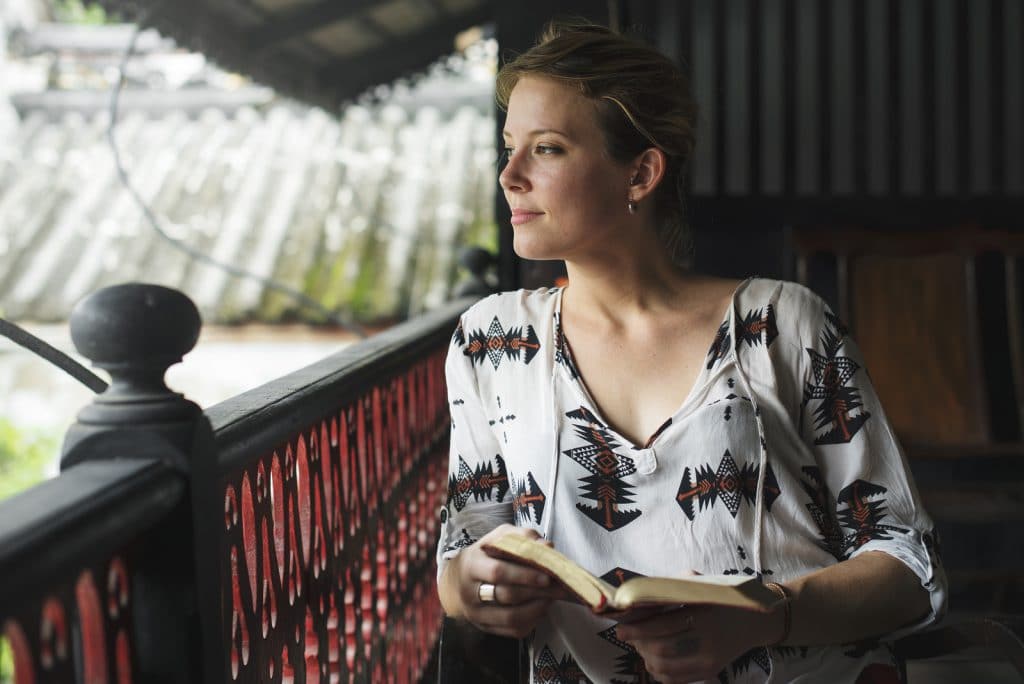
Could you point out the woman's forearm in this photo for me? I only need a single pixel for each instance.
(867, 596)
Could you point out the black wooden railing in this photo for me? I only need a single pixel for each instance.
(285, 535)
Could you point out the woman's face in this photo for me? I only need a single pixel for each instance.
(567, 196)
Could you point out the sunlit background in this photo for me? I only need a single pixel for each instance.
(361, 210)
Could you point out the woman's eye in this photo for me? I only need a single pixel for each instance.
(544, 149)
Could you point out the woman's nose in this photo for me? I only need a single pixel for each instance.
(511, 177)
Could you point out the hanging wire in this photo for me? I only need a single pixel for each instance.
(193, 253)
(55, 356)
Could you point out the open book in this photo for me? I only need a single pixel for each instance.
(727, 590)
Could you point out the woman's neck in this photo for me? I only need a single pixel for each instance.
(621, 288)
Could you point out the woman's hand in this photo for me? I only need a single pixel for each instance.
(694, 643)
(520, 595)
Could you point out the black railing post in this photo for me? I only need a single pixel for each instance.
(135, 332)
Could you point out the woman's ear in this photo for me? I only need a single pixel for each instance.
(648, 170)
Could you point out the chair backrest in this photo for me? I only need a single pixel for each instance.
(911, 301)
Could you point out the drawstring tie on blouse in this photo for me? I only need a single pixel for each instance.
(762, 443)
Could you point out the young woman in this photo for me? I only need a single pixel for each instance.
(648, 420)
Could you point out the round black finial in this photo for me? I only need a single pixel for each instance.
(135, 324)
(135, 332)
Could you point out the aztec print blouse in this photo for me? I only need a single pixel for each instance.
(780, 461)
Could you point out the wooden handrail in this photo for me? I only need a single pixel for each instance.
(91, 511)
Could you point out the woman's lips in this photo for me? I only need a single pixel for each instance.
(521, 216)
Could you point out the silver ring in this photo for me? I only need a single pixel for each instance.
(485, 592)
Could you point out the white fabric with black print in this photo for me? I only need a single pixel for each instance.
(784, 389)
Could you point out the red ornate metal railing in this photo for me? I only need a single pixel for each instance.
(67, 600)
(285, 535)
(329, 484)
(97, 606)
(327, 567)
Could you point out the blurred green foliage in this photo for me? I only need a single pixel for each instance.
(6, 662)
(24, 455)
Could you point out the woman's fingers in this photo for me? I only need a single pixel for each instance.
(660, 625)
(691, 643)
(513, 621)
(670, 648)
(514, 611)
(482, 567)
(513, 595)
(514, 574)
(506, 592)
(681, 658)
(671, 644)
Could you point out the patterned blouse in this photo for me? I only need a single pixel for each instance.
(780, 461)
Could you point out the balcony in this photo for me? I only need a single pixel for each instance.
(284, 535)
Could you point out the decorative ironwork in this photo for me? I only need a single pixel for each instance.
(327, 556)
(80, 627)
(287, 537)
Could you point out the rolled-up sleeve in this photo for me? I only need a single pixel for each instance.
(877, 506)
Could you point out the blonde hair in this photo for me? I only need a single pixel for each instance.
(642, 98)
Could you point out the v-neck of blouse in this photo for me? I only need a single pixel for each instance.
(571, 374)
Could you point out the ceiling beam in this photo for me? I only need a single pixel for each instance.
(402, 55)
(196, 24)
(299, 22)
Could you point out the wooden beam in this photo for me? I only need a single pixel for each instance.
(195, 23)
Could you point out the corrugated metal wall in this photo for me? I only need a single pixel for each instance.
(851, 98)
(902, 114)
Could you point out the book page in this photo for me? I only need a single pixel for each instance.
(726, 590)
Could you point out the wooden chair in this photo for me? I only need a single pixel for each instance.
(911, 300)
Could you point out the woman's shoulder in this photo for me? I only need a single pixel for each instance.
(793, 312)
(758, 291)
(514, 326)
(513, 308)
